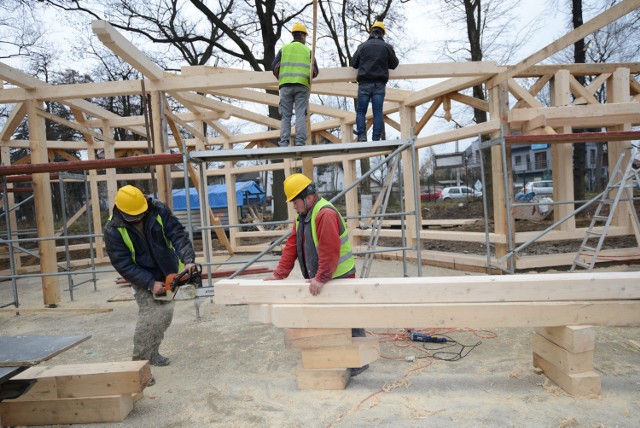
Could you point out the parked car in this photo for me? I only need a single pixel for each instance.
(430, 195)
(542, 187)
(459, 192)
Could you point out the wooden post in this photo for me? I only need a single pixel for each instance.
(13, 221)
(95, 205)
(163, 172)
(407, 123)
(112, 181)
(498, 108)
(562, 155)
(618, 92)
(43, 206)
(351, 198)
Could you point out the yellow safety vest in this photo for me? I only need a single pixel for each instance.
(295, 64)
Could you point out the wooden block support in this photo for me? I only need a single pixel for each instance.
(304, 338)
(362, 350)
(584, 384)
(86, 380)
(66, 410)
(322, 379)
(567, 362)
(572, 338)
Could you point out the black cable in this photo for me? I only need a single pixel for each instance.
(436, 352)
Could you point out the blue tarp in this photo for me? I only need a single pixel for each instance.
(247, 193)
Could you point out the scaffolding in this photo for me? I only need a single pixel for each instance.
(504, 142)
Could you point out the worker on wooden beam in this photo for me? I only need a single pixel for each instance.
(319, 241)
(146, 243)
(373, 59)
(292, 67)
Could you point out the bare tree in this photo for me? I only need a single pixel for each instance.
(20, 30)
(228, 32)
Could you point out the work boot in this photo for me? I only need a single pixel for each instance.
(159, 361)
(362, 138)
(283, 144)
(152, 381)
(356, 371)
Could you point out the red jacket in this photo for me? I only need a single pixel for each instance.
(328, 231)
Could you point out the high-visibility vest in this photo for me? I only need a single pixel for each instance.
(124, 232)
(295, 64)
(346, 264)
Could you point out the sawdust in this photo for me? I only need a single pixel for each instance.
(227, 372)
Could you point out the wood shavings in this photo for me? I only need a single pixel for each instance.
(568, 422)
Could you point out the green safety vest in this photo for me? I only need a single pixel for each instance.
(295, 64)
(346, 262)
(124, 232)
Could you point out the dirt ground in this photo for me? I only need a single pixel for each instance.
(228, 372)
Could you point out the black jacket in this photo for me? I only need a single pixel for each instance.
(373, 59)
(154, 259)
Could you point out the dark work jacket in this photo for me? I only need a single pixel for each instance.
(373, 59)
(154, 260)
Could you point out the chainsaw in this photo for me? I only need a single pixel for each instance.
(186, 285)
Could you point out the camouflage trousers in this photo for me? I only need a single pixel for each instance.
(154, 318)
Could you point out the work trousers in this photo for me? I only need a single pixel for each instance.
(154, 318)
(295, 96)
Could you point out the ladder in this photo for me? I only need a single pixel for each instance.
(376, 225)
(620, 182)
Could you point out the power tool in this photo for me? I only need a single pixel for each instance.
(422, 337)
(185, 285)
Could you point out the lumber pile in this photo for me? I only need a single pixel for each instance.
(554, 304)
(77, 394)
(565, 355)
(327, 354)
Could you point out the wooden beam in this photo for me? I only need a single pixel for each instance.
(461, 289)
(111, 38)
(448, 315)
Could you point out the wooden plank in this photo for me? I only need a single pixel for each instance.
(303, 338)
(585, 384)
(66, 410)
(567, 362)
(87, 380)
(31, 350)
(362, 350)
(322, 379)
(572, 338)
(455, 289)
(473, 315)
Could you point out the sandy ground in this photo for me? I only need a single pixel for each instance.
(228, 372)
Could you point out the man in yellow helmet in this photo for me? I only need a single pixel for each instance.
(292, 67)
(319, 242)
(145, 243)
(373, 59)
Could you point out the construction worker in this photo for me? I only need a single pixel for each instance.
(145, 244)
(292, 67)
(373, 59)
(319, 242)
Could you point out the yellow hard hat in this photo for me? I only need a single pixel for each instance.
(131, 201)
(295, 184)
(299, 28)
(380, 25)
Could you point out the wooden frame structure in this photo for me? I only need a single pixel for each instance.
(512, 106)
